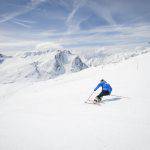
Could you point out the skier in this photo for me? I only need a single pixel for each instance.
(106, 90)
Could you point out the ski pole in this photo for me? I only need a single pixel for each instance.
(90, 96)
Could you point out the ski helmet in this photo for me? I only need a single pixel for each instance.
(102, 80)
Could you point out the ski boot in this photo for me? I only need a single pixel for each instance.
(97, 99)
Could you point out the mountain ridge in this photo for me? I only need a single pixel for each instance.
(48, 64)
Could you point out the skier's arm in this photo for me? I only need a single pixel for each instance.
(99, 85)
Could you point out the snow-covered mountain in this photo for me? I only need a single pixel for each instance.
(43, 65)
(39, 65)
(112, 55)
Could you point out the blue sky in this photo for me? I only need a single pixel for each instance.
(73, 24)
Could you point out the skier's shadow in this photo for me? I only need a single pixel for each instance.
(112, 99)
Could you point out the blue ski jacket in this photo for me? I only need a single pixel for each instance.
(105, 86)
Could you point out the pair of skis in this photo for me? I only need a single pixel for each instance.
(92, 102)
(88, 101)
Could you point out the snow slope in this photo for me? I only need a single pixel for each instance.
(52, 115)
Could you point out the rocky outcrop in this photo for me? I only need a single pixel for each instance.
(2, 58)
(65, 61)
(78, 65)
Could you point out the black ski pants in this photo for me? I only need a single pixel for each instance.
(103, 93)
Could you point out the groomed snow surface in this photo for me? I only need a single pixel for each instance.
(52, 115)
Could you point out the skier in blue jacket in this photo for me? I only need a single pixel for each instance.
(106, 90)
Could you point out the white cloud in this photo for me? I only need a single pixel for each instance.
(73, 25)
(21, 24)
(48, 45)
(20, 10)
(102, 11)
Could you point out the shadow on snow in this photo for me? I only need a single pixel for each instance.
(112, 99)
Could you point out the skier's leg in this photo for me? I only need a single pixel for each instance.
(103, 93)
(99, 97)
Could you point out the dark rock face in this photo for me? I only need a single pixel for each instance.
(2, 58)
(58, 67)
(62, 57)
(78, 65)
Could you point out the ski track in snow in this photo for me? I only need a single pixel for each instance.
(52, 115)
